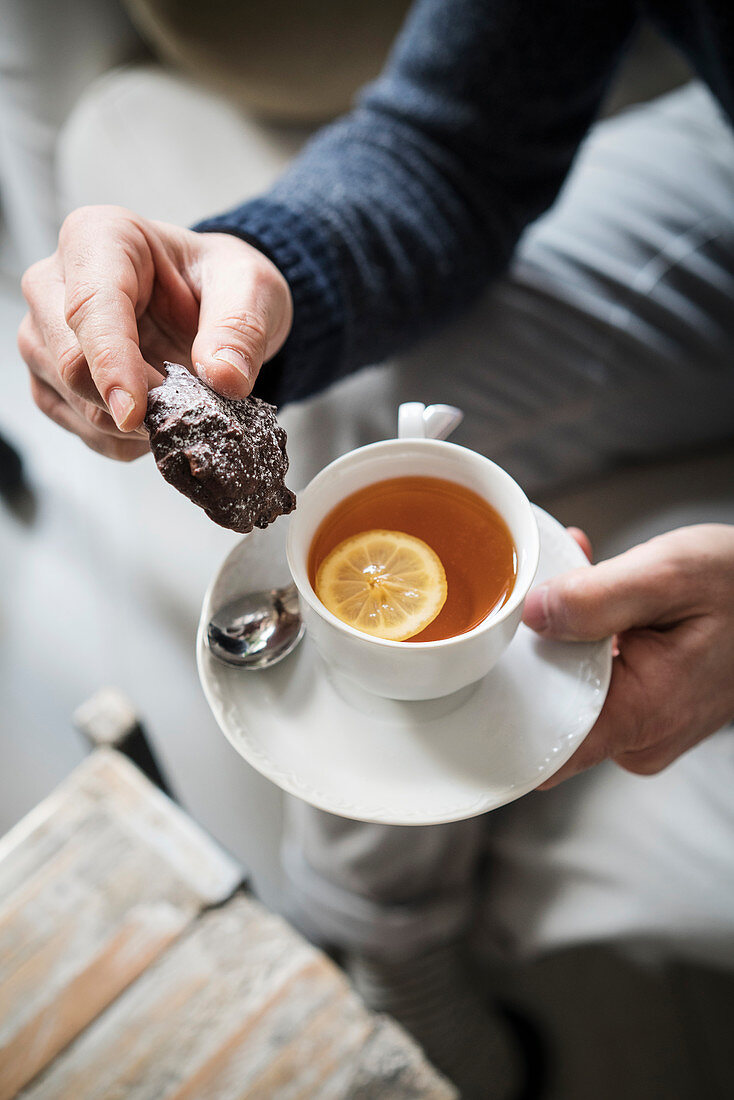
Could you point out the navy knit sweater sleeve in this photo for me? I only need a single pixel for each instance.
(395, 217)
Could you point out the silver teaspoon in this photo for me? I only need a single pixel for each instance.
(256, 630)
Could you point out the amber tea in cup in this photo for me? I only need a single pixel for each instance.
(468, 535)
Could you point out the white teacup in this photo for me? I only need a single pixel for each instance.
(412, 670)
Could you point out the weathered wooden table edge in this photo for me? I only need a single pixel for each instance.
(133, 966)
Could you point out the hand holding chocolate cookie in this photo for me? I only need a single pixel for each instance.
(121, 295)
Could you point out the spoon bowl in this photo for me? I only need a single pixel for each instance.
(257, 630)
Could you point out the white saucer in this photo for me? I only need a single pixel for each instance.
(401, 763)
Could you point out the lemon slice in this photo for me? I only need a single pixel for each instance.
(384, 583)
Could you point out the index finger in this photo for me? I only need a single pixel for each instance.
(102, 290)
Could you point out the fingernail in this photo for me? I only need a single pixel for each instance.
(535, 612)
(121, 405)
(234, 358)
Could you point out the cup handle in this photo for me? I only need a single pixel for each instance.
(418, 421)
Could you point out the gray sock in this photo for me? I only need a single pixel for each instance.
(433, 997)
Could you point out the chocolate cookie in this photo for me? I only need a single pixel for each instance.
(227, 456)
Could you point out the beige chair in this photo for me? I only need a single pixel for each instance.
(281, 60)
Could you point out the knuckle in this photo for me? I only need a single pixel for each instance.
(113, 212)
(41, 394)
(675, 564)
(570, 600)
(76, 221)
(27, 341)
(103, 366)
(646, 729)
(270, 278)
(79, 297)
(247, 328)
(648, 762)
(31, 278)
(48, 402)
(575, 589)
(79, 221)
(647, 743)
(71, 366)
(669, 576)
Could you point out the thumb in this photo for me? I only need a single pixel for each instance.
(635, 589)
(243, 320)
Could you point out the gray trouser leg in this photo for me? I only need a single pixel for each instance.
(610, 340)
(387, 889)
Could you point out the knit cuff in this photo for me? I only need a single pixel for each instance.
(310, 358)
